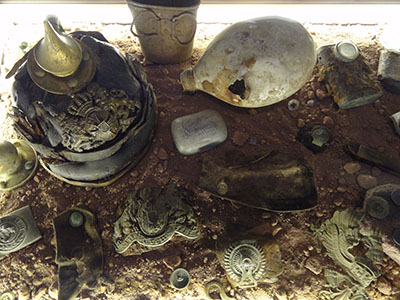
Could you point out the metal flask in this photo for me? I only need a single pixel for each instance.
(254, 63)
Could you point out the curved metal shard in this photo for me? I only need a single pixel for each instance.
(274, 181)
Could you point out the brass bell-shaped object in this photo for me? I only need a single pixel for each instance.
(59, 63)
(56, 53)
(18, 162)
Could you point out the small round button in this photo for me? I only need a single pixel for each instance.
(76, 219)
(346, 51)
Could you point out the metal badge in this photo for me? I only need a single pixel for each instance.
(198, 132)
(315, 137)
(17, 230)
(152, 216)
(245, 263)
(340, 234)
(180, 278)
(79, 252)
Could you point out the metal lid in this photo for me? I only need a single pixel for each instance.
(377, 207)
(346, 51)
(180, 278)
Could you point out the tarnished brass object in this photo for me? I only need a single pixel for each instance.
(18, 229)
(60, 64)
(369, 155)
(216, 285)
(274, 181)
(18, 162)
(57, 54)
(340, 234)
(7, 296)
(249, 259)
(346, 75)
(179, 278)
(165, 28)
(79, 252)
(152, 216)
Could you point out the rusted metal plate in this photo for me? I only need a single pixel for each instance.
(274, 181)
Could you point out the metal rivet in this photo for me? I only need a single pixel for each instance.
(73, 82)
(40, 73)
(222, 188)
(377, 207)
(76, 219)
(180, 278)
(293, 104)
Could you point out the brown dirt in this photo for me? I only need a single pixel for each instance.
(31, 272)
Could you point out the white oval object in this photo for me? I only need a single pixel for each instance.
(254, 63)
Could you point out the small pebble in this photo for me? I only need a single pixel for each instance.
(162, 114)
(338, 201)
(266, 215)
(313, 264)
(240, 138)
(311, 94)
(252, 111)
(172, 261)
(310, 103)
(135, 174)
(321, 94)
(367, 181)
(36, 179)
(384, 286)
(342, 180)
(376, 171)
(352, 167)
(319, 214)
(300, 123)
(328, 121)
(341, 189)
(162, 154)
(214, 237)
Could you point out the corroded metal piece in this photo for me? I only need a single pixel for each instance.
(79, 253)
(245, 263)
(389, 70)
(198, 132)
(179, 278)
(17, 230)
(254, 63)
(18, 163)
(315, 137)
(165, 29)
(377, 207)
(216, 285)
(152, 216)
(367, 154)
(340, 234)
(274, 181)
(351, 83)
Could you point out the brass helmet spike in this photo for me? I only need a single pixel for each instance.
(57, 54)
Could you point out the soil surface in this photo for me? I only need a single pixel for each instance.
(31, 273)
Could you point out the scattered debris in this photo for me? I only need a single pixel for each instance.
(239, 138)
(352, 167)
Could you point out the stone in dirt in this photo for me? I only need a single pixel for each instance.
(313, 265)
(328, 121)
(352, 167)
(240, 138)
(172, 261)
(367, 181)
(162, 154)
(384, 286)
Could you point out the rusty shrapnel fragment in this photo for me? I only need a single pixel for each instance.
(79, 252)
(315, 137)
(87, 110)
(369, 155)
(18, 229)
(254, 63)
(346, 75)
(339, 235)
(152, 216)
(274, 181)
